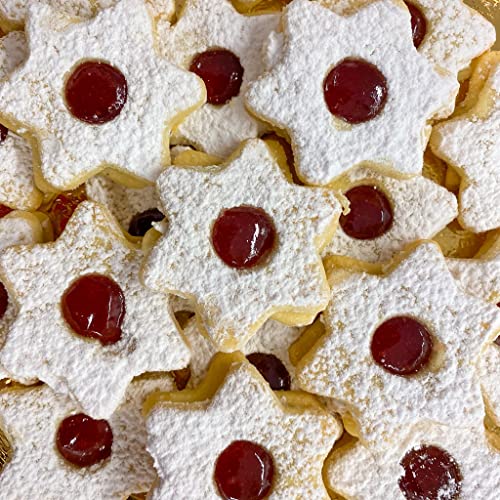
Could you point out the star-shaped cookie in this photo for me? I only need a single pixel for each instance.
(92, 100)
(50, 283)
(234, 298)
(330, 135)
(398, 344)
(188, 431)
(30, 418)
(471, 144)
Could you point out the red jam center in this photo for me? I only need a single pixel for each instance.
(401, 345)
(497, 341)
(4, 210)
(63, 206)
(272, 369)
(244, 471)
(141, 222)
(430, 474)
(355, 91)
(96, 92)
(243, 236)
(370, 215)
(94, 306)
(418, 24)
(83, 441)
(222, 73)
(4, 300)
(4, 132)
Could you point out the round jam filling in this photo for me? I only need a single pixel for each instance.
(370, 213)
(355, 91)
(63, 206)
(141, 222)
(94, 306)
(4, 132)
(243, 236)
(497, 341)
(222, 73)
(418, 24)
(4, 300)
(83, 441)
(430, 474)
(272, 369)
(96, 92)
(4, 210)
(401, 345)
(244, 471)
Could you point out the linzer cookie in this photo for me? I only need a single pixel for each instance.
(122, 121)
(350, 90)
(231, 438)
(398, 345)
(84, 289)
(252, 235)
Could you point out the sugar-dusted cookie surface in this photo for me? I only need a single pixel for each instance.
(127, 127)
(399, 344)
(210, 35)
(84, 288)
(244, 281)
(471, 144)
(322, 55)
(30, 419)
(233, 412)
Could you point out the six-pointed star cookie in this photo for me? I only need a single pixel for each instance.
(30, 418)
(141, 95)
(471, 144)
(316, 42)
(202, 27)
(232, 302)
(187, 432)
(42, 344)
(397, 346)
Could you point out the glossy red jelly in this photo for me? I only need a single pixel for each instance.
(63, 206)
(96, 92)
(4, 210)
(370, 215)
(244, 471)
(418, 24)
(141, 222)
(83, 441)
(430, 474)
(4, 300)
(355, 91)
(222, 73)
(94, 307)
(243, 236)
(401, 345)
(4, 132)
(272, 369)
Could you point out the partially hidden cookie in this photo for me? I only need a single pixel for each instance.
(223, 47)
(84, 289)
(67, 454)
(351, 89)
(268, 267)
(140, 96)
(397, 344)
(198, 438)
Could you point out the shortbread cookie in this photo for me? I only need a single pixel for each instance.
(51, 445)
(398, 345)
(198, 438)
(125, 123)
(242, 244)
(223, 47)
(386, 213)
(351, 89)
(84, 289)
(429, 461)
(471, 144)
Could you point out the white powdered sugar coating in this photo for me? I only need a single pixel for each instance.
(121, 201)
(341, 365)
(291, 95)
(94, 375)
(136, 141)
(420, 207)
(157, 8)
(272, 337)
(30, 418)
(232, 304)
(13, 52)
(185, 439)
(202, 25)
(361, 473)
(471, 143)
